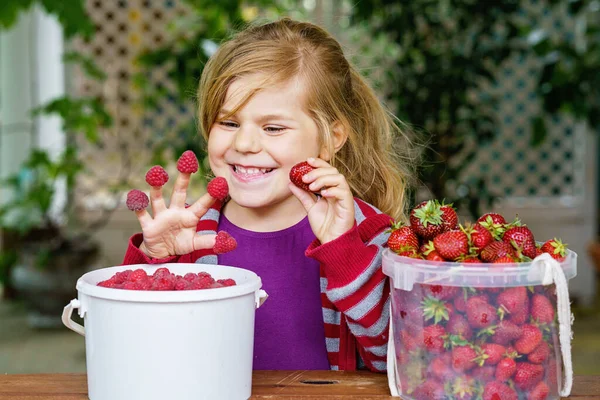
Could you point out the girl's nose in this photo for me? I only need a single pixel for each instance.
(247, 140)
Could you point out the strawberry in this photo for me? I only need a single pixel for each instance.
(402, 238)
(428, 250)
(458, 325)
(505, 369)
(408, 342)
(460, 301)
(522, 239)
(218, 188)
(426, 219)
(483, 374)
(528, 375)
(539, 354)
(187, 163)
(452, 244)
(224, 242)
(498, 391)
(429, 390)
(512, 299)
(433, 338)
(439, 367)
(157, 176)
(539, 392)
(480, 313)
(479, 237)
(504, 260)
(440, 291)
(531, 337)
(505, 332)
(463, 388)
(463, 358)
(297, 172)
(494, 223)
(469, 260)
(137, 200)
(495, 250)
(491, 354)
(521, 316)
(542, 310)
(556, 248)
(436, 309)
(412, 253)
(449, 217)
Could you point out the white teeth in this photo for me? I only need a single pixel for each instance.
(251, 171)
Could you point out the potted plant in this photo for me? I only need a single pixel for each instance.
(45, 252)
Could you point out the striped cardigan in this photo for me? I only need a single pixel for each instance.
(354, 290)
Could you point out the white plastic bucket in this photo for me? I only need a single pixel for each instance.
(150, 345)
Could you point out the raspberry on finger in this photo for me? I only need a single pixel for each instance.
(224, 242)
(137, 200)
(187, 163)
(218, 188)
(157, 176)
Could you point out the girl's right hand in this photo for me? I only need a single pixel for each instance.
(171, 231)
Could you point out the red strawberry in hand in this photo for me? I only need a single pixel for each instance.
(402, 238)
(556, 248)
(452, 244)
(297, 172)
(224, 242)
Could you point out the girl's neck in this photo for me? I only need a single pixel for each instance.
(266, 219)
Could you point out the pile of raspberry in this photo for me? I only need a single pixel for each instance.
(163, 279)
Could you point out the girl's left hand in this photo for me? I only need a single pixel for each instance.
(331, 215)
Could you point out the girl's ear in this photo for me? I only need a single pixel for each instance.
(339, 135)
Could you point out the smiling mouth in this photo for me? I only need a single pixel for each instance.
(253, 171)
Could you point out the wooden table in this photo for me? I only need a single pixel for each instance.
(326, 385)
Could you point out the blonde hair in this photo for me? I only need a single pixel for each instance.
(377, 159)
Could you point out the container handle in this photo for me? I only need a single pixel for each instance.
(553, 273)
(260, 297)
(66, 317)
(392, 368)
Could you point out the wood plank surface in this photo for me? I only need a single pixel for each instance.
(287, 385)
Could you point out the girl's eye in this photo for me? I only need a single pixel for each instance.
(228, 124)
(274, 129)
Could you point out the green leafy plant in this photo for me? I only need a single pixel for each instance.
(448, 50)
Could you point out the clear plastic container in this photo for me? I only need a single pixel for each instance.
(490, 331)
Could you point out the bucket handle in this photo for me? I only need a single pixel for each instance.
(66, 317)
(260, 297)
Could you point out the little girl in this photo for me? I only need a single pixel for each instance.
(273, 96)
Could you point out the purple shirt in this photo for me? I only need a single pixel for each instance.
(289, 333)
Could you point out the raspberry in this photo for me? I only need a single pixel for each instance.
(190, 276)
(218, 188)
(137, 200)
(187, 163)
(157, 176)
(137, 275)
(121, 277)
(224, 243)
(130, 286)
(109, 283)
(161, 273)
(226, 282)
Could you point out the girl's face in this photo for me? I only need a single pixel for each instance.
(255, 149)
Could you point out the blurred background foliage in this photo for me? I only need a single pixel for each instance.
(437, 54)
